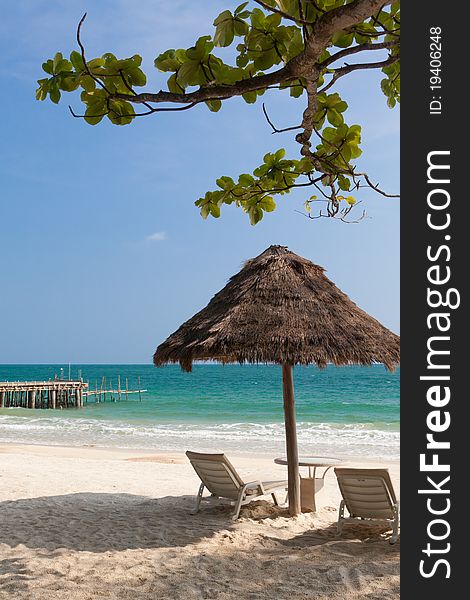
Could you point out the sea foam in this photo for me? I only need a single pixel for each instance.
(355, 440)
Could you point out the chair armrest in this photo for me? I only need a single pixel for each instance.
(258, 484)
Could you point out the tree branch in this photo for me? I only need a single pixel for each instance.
(308, 118)
(302, 65)
(334, 20)
(219, 92)
(275, 129)
(82, 51)
(133, 116)
(356, 49)
(373, 65)
(304, 25)
(302, 70)
(283, 14)
(375, 187)
(342, 71)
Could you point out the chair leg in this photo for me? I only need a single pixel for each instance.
(238, 505)
(339, 525)
(396, 523)
(198, 500)
(275, 499)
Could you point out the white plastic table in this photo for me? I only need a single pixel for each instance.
(311, 485)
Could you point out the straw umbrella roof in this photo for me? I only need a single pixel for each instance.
(281, 308)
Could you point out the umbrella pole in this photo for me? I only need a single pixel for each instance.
(291, 440)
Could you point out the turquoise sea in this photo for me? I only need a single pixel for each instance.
(346, 411)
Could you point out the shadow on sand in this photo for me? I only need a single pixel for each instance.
(98, 522)
(58, 545)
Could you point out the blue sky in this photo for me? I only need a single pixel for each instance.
(102, 251)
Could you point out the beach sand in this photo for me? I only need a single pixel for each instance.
(87, 523)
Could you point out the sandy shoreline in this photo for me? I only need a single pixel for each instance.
(86, 523)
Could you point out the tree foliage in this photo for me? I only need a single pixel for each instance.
(299, 47)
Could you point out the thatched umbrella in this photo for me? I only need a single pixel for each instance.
(281, 308)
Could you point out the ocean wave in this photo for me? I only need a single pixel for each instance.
(358, 439)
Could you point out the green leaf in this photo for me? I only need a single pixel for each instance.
(201, 50)
(255, 214)
(87, 83)
(95, 113)
(95, 63)
(168, 61)
(344, 183)
(63, 65)
(258, 20)
(342, 39)
(205, 210)
(77, 61)
(240, 27)
(296, 91)
(93, 120)
(265, 60)
(57, 58)
(250, 97)
(174, 86)
(41, 92)
(224, 32)
(267, 204)
(214, 210)
(136, 59)
(242, 60)
(121, 112)
(334, 117)
(48, 67)
(225, 183)
(246, 180)
(137, 76)
(190, 73)
(109, 58)
(273, 21)
(70, 84)
(304, 165)
(54, 92)
(345, 155)
(96, 105)
(240, 8)
(214, 105)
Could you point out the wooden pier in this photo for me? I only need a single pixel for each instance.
(106, 387)
(42, 394)
(61, 393)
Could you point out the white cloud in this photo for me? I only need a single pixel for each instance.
(158, 236)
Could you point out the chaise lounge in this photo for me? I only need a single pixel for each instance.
(369, 497)
(221, 479)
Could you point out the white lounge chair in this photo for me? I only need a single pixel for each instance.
(369, 496)
(222, 480)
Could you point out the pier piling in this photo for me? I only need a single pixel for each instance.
(59, 393)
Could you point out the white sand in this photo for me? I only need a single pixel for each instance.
(89, 524)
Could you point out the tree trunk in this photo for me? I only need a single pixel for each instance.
(291, 441)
